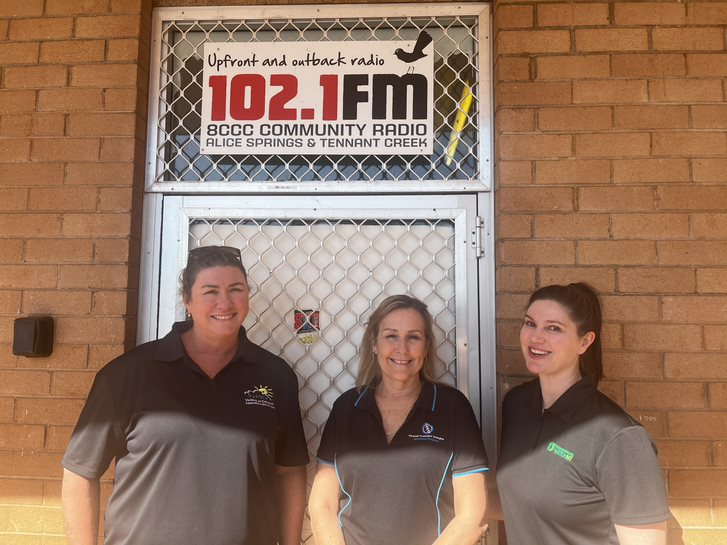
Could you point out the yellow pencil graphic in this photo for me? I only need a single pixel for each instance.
(460, 120)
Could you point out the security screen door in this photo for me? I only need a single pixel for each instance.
(318, 266)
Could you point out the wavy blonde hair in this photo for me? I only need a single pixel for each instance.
(369, 372)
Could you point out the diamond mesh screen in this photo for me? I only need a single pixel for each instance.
(342, 269)
(456, 66)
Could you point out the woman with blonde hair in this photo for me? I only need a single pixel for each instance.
(401, 459)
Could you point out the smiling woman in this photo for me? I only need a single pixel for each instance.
(401, 459)
(217, 300)
(552, 344)
(574, 468)
(198, 422)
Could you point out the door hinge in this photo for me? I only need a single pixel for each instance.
(477, 237)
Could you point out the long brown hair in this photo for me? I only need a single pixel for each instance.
(581, 302)
(369, 372)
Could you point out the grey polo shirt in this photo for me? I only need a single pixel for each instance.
(195, 457)
(568, 473)
(400, 493)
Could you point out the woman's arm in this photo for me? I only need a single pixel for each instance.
(470, 501)
(80, 500)
(631, 481)
(291, 503)
(646, 534)
(323, 507)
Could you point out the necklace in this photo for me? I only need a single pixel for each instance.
(394, 411)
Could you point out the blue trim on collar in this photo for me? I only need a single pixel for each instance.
(360, 397)
(426, 401)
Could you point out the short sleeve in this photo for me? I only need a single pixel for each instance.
(327, 448)
(97, 438)
(469, 450)
(291, 448)
(630, 479)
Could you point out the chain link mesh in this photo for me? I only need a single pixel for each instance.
(456, 71)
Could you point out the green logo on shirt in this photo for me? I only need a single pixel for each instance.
(556, 449)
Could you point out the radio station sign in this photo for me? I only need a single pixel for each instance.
(318, 98)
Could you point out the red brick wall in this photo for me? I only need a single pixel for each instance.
(72, 94)
(611, 156)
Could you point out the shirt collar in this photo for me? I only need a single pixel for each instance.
(568, 403)
(171, 347)
(427, 399)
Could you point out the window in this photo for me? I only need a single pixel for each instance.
(461, 62)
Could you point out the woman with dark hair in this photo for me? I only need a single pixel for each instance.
(203, 424)
(574, 468)
(401, 460)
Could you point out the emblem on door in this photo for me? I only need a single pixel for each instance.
(307, 325)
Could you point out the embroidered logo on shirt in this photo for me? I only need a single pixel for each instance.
(427, 434)
(556, 449)
(259, 395)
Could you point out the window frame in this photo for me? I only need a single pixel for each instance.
(483, 183)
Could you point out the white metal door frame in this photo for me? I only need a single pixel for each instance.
(165, 247)
(162, 82)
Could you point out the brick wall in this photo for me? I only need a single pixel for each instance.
(72, 94)
(611, 156)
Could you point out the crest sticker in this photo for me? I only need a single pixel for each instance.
(307, 326)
